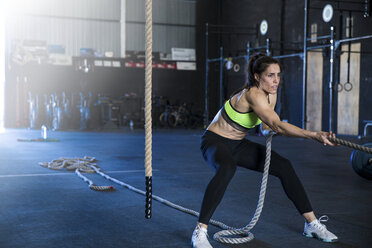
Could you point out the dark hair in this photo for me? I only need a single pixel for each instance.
(258, 63)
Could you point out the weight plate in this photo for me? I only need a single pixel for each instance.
(360, 162)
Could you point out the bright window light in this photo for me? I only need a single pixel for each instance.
(9, 8)
(17, 6)
(2, 64)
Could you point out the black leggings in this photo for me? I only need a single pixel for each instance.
(224, 155)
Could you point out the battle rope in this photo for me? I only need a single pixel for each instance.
(220, 236)
(350, 144)
(85, 164)
(227, 229)
(148, 119)
(161, 200)
(91, 184)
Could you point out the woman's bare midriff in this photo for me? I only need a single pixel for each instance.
(224, 129)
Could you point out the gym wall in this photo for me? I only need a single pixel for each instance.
(97, 24)
(285, 19)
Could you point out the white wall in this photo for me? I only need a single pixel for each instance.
(97, 24)
(180, 13)
(74, 24)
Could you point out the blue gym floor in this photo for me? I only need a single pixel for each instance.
(45, 208)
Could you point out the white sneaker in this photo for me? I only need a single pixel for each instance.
(199, 238)
(316, 229)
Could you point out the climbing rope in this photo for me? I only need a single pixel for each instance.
(350, 144)
(148, 118)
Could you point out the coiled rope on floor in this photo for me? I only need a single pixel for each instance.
(350, 144)
(85, 164)
(71, 164)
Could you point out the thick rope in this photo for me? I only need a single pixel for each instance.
(161, 200)
(148, 89)
(148, 119)
(91, 184)
(220, 236)
(350, 144)
(85, 164)
(90, 166)
(228, 230)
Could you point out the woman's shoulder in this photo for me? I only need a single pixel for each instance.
(253, 93)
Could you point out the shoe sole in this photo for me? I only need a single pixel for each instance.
(192, 245)
(314, 235)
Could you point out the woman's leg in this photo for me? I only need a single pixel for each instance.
(218, 155)
(252, 156)
(309, 216)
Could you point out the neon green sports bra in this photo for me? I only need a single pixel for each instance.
(241, 121)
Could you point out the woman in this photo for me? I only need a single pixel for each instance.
(224, 147)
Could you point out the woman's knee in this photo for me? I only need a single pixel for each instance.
(226, 171)
(283, 168)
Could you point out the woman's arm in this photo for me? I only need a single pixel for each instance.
(265, 129)
(272, 103)
(259, 104)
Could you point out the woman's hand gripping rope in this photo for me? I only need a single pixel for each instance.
(325, 138)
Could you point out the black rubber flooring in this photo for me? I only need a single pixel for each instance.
(47, 208)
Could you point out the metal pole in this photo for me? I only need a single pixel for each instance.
(206, 117)
(337, 43)
(331, 68)
(247, 60)
(221, 75)
(122, 27)
(268, 47)
(289, 55)
(304, 70)
(248, 50)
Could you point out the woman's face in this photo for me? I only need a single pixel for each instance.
(269, 80)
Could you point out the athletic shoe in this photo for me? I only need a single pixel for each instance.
(199, 238)
(316, 229)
